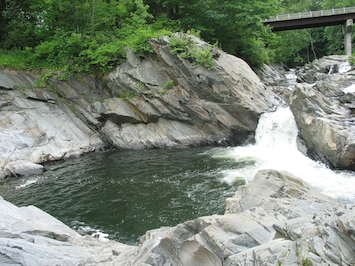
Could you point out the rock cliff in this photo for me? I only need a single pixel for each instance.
(324, 112)
(276, 220)
(162, 100)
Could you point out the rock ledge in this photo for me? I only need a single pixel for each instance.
(276, 220)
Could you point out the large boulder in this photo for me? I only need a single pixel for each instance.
(29, 236)
(324, 114)
(276, 220)
(171, 101)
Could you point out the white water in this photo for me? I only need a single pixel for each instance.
(350, 89)
(27, 183)
(276, 148)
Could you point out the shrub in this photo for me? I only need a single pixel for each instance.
(169, 84)
(186, 48)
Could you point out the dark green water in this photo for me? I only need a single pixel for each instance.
(124, 194)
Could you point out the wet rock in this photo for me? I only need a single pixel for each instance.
(328, 65)
(23, 168)
(326, 124)
(276, 220)
(323, 105)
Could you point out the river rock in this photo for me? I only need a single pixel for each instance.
(326, 123)
(328, 65)
(277, 219)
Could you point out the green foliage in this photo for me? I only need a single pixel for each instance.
(128, 95)
(179, 44)
(169, 85)
(352, 60)
(41, 82)
(78, 36)
(186, 48)
(14, 58)
(92, 35)
(236, 26)
(306, 262)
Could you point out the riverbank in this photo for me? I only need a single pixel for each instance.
(286, 222)
(167, 101)
(159, 101)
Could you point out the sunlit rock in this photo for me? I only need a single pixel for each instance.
(326, 124)
(213, 105)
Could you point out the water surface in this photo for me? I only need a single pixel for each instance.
(123, 194)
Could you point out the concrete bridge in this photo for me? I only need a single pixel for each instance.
(341, 16)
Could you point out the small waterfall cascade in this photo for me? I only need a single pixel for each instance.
(276, 148)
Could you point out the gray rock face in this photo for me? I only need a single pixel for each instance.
(325, 118)
(162, 100)
(199, 106)
(276, 220)
(34, 129)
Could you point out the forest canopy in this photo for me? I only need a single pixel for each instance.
(91, 35)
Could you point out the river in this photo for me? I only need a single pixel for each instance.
(120, 195)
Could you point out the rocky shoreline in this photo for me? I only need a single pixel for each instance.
(162, 101)
(276, 220)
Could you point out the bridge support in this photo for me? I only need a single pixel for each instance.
(347, 36)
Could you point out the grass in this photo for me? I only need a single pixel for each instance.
(13, 59)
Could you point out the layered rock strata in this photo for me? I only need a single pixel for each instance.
(162, 100)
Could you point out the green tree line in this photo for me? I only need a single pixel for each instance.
(92, 35)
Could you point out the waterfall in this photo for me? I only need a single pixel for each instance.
(276, 148)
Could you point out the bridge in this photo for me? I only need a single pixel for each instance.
(302, 20)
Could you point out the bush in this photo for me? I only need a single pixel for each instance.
(186, 48)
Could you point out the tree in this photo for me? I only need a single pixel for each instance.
(20, 23)
(301, 46)
(235, 25)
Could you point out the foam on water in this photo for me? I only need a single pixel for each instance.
(276, 148)
(27, 183)
(349, 89)
(87, 230)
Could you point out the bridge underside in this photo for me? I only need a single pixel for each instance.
(313, 22)
(346, 20)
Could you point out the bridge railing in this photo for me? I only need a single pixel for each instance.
(311, 14)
